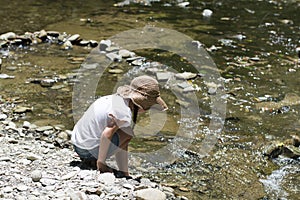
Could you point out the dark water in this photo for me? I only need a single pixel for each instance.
(255, 42)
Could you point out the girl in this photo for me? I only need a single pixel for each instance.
(106, 127)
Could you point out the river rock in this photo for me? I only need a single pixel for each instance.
(125, 53)
(44, 128)
(150, 194)
(8, 36)
(3, 116)
(207, 13)
(163, 76)
(36, 175)
(47, 82)
(22, 187)
(106, 178)
(104, 44)
(67, 45)
(5, 76)
(74, 38)
(115, 71)
(42, 35)
(114, 57)
(186, 75)
(21, 109)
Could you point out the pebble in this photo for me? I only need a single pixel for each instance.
(207, 13)
(36, 175)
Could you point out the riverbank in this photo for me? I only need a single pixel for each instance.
(39, 163)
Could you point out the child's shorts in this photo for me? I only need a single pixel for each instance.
(92, 154)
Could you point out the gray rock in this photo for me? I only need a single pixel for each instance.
(90, 66)
(115, 71)
(69, 175)
(5, 159)
(186, 75)
(44, 128)
(20, 109)
(212, 90)
(22, 187)
(33, 157)
(42, 35)
(36, 175)
(207, 13)
(3, 116)
(137, 62)
(114, 57)
(5, 76)
(125, 53)
(104, 44)
(74, 38)
(7, 189)
(11, 68)
(163, 76)
(150, 194)
(47, 82)
(106, 178)
(67, 45)
(93, 43)
(47, 181)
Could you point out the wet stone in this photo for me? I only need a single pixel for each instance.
(163, 76)
(21, 109)
(125, 53)
(47, 82)
(74, 38)
(186, 75)
(53, 33)
(115, 71)
(104, 44)
(114, 57)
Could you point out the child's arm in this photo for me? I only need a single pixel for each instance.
(105, 140)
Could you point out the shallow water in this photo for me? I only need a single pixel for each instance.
(255, 51)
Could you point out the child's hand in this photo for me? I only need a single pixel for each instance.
(102, 167)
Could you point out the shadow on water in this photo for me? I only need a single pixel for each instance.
(253, 44)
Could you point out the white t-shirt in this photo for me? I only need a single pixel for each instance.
(87, 131)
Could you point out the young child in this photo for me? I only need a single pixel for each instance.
(106, 127)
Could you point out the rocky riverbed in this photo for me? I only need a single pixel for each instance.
(39, 163)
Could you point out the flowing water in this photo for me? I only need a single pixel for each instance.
(253, 45)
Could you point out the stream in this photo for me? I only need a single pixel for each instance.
(247, 98)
